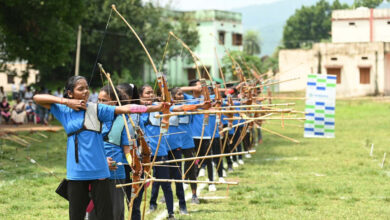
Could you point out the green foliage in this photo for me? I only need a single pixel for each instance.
(367, 3)
(45, 34)
(252, 42)
(41, 32)
(309, 24)
(246, 62)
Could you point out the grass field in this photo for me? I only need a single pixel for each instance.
(316, 179)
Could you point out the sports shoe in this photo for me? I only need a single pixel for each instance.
(195, 199)
(201, 172)
(241, 162)
(235, 165)
(221, 180)
(248, 156)
(152, 208)
(212, 188)
(171, 217)
(183, 211)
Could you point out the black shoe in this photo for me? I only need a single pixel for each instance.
(195, 199)
(171, 217)
(183, 211)
(152, 208)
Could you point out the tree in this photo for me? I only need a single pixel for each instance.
(252, 42)
(41, 32)
(367, 3)
(44, 34)
(309, 24)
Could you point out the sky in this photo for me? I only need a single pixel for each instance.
(210, 4)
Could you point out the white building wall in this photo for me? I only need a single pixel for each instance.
(349, 57)
(344, 31)
(292, 64)
(18, 67)
(357, 25)
(381, 30)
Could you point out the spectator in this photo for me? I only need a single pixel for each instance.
(14, 91)
(28, 94)
(2, 93)
(93, 97)
(30, 111)
(58, 93)
(18, 112)
(42, 113)
(22, 90)
(4, 109)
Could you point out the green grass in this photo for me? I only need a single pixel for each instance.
(317, 179)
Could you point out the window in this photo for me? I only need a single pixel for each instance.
(335, 71)
(191, 73)
(364, 75)
(333, 58)
(237, 39)
(351, 23)
(388, 22)
(10, 78)
(221, 37)
(364, 58)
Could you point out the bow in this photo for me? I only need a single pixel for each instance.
(163, 85)
(136, 164)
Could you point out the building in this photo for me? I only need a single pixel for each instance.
(15, 73)
(359, 55)
(216, 29)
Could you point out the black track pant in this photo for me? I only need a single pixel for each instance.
(217, 147)
(192, 173)
(78, 194)
(203, 149)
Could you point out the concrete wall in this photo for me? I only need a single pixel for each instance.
(349, 57)
(361, 25)
(295, 63)
(18, 67)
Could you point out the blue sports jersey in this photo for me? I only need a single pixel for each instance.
(197, 121)
(92, 160)
(151, 136)
(116, 152)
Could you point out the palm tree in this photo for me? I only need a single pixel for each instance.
(252, 42)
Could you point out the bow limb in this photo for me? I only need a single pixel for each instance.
(136, 164)
(166, 96)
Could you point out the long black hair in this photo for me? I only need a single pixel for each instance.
(128, 91)
(71, 83)
(110, 92)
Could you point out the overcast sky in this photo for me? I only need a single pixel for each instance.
(211, 4)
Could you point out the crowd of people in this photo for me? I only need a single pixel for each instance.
(99, 145)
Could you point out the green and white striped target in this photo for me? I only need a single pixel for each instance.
(320, 106)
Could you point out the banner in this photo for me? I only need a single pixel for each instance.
(320, 106)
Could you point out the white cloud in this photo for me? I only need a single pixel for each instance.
(210, 4)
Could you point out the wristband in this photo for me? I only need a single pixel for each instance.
(189, 107)
(129, 159)
(138, 109)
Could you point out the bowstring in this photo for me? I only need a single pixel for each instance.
(100, 49)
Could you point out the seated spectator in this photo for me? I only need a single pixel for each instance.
(4, 109)
(18, 112)
(30, 111)
(28, 94)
